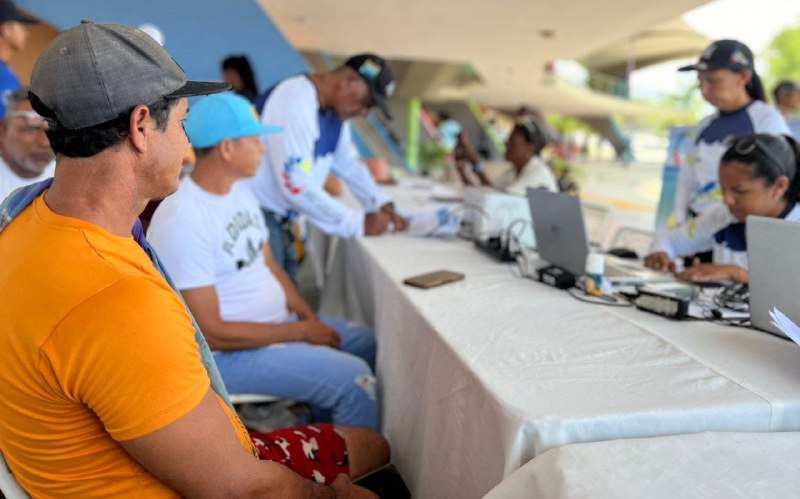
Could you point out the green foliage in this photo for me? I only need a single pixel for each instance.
(783, 56)
(432, 157)
(567, 124)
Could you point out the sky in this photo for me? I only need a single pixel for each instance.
(724, 19)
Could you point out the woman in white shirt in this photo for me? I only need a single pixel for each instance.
(523, 149)
(758, 175)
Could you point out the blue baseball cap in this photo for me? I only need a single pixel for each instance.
(223, 116)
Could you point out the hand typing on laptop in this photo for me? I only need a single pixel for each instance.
(698, 272)
(710, 272)
(660, 261)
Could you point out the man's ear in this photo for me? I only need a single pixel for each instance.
(139, 130)
(225, 149)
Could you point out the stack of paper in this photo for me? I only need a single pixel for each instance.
(785, 324)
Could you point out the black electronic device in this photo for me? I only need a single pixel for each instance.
(668, 299)
(556, 277)
(497, 248)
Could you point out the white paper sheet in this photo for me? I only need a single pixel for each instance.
(785, 324)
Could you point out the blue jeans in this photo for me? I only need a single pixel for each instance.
(281, 242)
(341, 381)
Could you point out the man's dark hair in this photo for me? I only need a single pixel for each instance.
(532, 132)
(241, 64)
(87, 142)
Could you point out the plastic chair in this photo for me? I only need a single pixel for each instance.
(636, 240)
(9, 486)
(251, 398)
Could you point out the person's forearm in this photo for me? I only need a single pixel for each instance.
(241, 335)
(463, 174)
(276, 480)
(483, 178)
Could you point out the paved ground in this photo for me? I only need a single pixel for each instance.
(632, 191)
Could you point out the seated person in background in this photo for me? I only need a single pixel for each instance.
(237, 71)
(27, 157)
(212, 239)
(787, 97)
(523, 149)
(759, 176)
(107, 387)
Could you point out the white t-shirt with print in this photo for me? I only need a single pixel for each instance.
(205, 239)
(10, 181)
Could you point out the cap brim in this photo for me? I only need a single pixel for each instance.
(20, 17)
(698, 66)
(381, 103)
(269, 129)
(192, 88)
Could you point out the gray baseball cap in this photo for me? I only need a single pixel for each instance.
(93, 73)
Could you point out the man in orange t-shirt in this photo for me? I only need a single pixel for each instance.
(103, 392)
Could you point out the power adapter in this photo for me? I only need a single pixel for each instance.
(556, 277)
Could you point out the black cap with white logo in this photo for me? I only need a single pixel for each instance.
(724, 54)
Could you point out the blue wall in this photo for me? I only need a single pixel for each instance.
(197, 33)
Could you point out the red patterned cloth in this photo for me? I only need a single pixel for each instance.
(317, 452)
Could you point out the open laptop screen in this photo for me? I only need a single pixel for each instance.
(559, 230)
(774, 265)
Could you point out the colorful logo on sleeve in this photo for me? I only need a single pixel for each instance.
(291, 168)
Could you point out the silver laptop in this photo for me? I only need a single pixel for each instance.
(561, 240)
(774, 264)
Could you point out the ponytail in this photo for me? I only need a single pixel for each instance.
(793, 194)
(755, 89)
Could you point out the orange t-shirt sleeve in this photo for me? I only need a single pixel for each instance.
(129, 354)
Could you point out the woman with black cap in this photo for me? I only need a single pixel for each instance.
(728, 81)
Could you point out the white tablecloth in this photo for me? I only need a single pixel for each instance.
(698, 466)
(480, 376)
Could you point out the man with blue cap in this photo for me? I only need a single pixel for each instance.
(213, 241)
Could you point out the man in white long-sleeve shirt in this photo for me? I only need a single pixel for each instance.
(313, 110)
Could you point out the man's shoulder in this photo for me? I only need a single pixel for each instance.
(766, 118)
(296, 92)
(184, 206)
